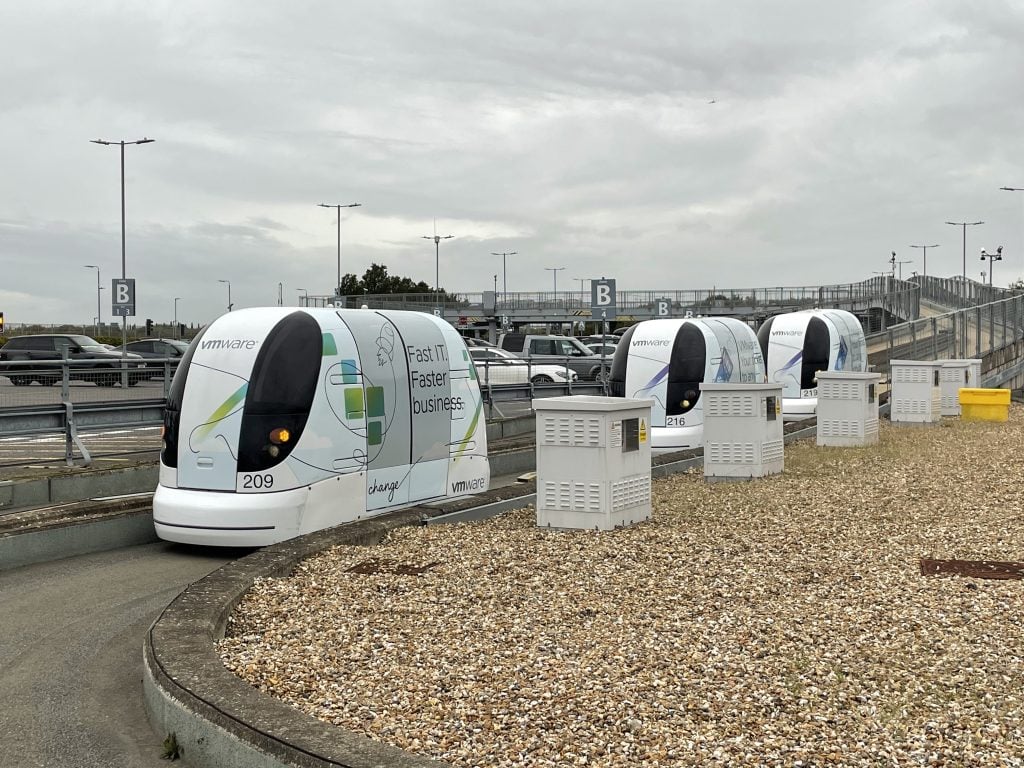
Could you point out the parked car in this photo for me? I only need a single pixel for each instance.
(474, 342)
(563, 350)
(154, 352)
(608, 350)
(597, 338)
(496, 366)
(99, 363)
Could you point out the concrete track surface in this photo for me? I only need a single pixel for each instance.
(70, 654)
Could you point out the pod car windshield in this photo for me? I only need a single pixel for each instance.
(280, 392)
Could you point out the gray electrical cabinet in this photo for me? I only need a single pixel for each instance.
(593, 461)
(742, 430)
(954, 376)
(915, 396)
(847, 408)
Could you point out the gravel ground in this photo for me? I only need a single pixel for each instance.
(782, 622)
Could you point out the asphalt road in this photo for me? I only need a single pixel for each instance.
(80, 392)
(71, 635)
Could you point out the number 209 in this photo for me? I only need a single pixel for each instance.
(258, 481)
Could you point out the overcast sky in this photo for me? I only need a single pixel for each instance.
(580, 134)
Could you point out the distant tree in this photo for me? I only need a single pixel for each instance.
(1017, 285)
(376, 280)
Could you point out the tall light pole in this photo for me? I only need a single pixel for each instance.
(504, 270)
(582, 281)
(900, 264)
(554, 274)
(124, 318)
(176, 300)
(1015, 189)
(997, 256)
(965, 225)
(229, 293)
(437, 259)
(924, 267)
(99, 305)
(305, 295)
(337, 291)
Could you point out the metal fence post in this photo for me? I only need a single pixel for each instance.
(977, 331)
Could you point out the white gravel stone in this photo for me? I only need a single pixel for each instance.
(779, 622)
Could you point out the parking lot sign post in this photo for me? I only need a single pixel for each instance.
(122, 297)
(603, 307)
(602, 300)
(662, 307)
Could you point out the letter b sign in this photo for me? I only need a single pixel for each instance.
(602, 299)
(122, 295)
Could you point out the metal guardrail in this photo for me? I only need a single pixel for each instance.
(898, 298)
(975, 332)
(87, 402)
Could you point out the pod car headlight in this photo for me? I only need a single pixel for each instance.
(280, 436)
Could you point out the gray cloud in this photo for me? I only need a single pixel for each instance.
(578, 134)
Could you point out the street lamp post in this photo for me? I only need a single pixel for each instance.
(230, 305)
(124, 318)
(337, 291)
(176, 300)
(965, 225)
(305, 296)
(992, 257)
(99, 305)
(504, 270)
(899, 264)
(554, 274)
(924, 266)
(437, 260)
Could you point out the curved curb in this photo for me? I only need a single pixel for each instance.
(220, 721)
(217, 718)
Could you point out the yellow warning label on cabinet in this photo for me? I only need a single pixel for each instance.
(643, 431)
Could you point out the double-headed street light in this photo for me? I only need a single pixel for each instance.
(898, 264)
(554, 274)
(997, 256)
(229, 293)
(504, 270)
(437, 260)
(124, 318)
(99, 310)
(924, 266)
(339, 207)
(965, 225)
(305, 295)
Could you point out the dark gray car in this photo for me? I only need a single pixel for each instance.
(93, 361)
(154, 352)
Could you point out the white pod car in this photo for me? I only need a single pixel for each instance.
(667, 360)
(797, 345)
(283, 421)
